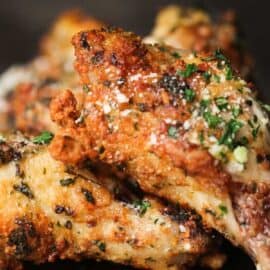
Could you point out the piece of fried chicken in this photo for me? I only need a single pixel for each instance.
(49, 211)
(194, 29)
(22, 105)
(44, 77)
(184, 125)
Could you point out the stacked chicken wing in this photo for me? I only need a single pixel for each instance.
(180, 126)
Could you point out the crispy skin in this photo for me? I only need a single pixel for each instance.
(49, 74)
(43, 218)
(41, 79)
(194, 29)
(159, 118)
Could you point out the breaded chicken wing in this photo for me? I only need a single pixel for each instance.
(49, 211)
(184, 125)
(26, 90)
(194, 29)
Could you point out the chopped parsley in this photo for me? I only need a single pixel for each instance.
(173, 132)
(223, 209)
(216, 78)
(212, 120)
(101, 245)
(189, 70)
(255, 131)
(189, 95)
(201, 137)
(67, 182)
(228, 137)
(176, 55)
(142, 206)
(44, 138)
(236, 111)
(86, 88)
(207, 76)
(222, 103)
(229, 73)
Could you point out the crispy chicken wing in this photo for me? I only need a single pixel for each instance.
(27, 90)
(184, 125)
(49, 211)
(194, 29)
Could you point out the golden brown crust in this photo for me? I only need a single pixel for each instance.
(161, 115)
(50, 211)
(194, 29)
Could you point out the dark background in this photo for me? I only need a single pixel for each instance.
(22, 22)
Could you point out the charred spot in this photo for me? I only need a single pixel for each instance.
(97, 58)
(142, 107)
(60, 209)
(88, 195)
(28, 226)
(114, 60)
(177, 213)
(107, 83)
(83, 41)
(19, 238)
(8, 153)
(19, 171)
(68, 225)
(24, 189)
(173, 84)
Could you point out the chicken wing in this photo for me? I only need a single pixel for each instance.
(49, 211)
(184, 125)
(26, 90)
(194, 29)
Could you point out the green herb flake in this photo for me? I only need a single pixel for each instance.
(189, 95)
(86, 89)
(223, 209)
(222, 103)
(216, 78)
(67, 182)
(255, 131)
(190, 69)
(229, 73)
(44, 138)
(236, 111)
(142, 206)
(176, 55)
(212, 120)
(173, 132)
(207, 76)
(101, 245)
(201, 137)
(231, 129)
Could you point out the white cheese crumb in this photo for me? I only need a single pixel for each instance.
(182, 228)
(153, 139)
(121, 98)
(106, 108)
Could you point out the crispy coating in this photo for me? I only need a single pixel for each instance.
(41, 79)
(194, 29)
(184, 125)
(52, 211)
